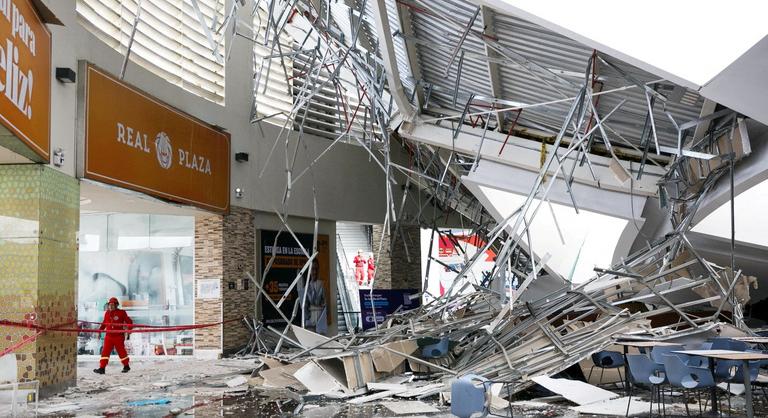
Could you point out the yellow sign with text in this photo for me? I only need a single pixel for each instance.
(135, 141)
(25, 75)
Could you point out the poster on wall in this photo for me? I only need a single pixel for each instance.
(451, 249)
(386, 302)
(289, 259)
(209, 288)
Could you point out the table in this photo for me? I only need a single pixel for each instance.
(638, 344)
(752, 340)
(646, 343)
(744, 357)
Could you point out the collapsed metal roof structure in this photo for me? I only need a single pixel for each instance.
(453, 85)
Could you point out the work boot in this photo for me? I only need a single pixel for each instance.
(126, 369)
(100, 370)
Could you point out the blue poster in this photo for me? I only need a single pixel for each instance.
(386, 301)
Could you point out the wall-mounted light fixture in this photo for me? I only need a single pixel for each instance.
(66, 75)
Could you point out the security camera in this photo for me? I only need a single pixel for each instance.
(58, 157)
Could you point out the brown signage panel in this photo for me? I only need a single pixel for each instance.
(25, 75)
(135, 141)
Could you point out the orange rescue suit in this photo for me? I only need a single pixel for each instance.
(114, 320)
(360, 263)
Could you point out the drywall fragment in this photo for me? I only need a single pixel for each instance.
(282, 377)
(237, 381)
(735, 388)
(309, 339)
(614, 407)
(373, 397)
(422, 391)
(59, 408)
(386, 361)
(575, 391)
(271, 363)
(316, 379)
(410, 407)
(387, 386)
(359, 370)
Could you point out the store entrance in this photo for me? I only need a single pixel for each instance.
(146, 261)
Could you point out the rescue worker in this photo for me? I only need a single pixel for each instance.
(371, 269)
(360, 263)
(114, 319)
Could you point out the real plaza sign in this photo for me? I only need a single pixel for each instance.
(25, 75)
(134, 141)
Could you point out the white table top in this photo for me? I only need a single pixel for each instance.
(646, 343)
(725, 354)
(755, 340)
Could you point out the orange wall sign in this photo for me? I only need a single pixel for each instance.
(25, 75)
(135, 141)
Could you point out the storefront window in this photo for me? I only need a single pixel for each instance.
(146, 261)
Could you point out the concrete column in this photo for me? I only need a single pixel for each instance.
(224, 251)
(39, 219)
(393, 270)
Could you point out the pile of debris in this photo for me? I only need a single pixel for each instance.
(497, 329)
(509, 340)
(664, 292)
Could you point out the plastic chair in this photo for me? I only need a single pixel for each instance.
(645, 372)
(607, 360)
(738, 375)
(754, 372)
(658, 353)
(467, 398)
(20, 392)
(761, 364)
(704, 346)
(725, 369)
(437, 350)
(732, 371)
(685, 377)
(723, 343)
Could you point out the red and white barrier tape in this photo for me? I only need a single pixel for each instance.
(134, 328)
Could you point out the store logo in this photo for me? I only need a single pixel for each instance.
(164, 150)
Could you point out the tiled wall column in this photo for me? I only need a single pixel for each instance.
(393, 271)
(39, 217)
(225, 250)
